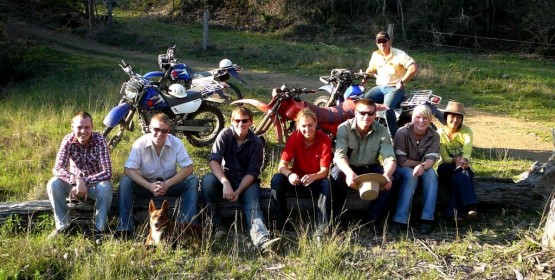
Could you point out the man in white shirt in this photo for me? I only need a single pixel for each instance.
(151, 171)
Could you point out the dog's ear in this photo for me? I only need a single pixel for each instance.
(165, 206)
(151, 206)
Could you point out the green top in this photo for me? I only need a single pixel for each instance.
(364, 151)
(461, 145)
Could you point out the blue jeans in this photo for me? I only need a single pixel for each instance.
(212, 192)
(460, 185)
(187, 190)
(390, 96)
(406, 192)
(58, 190)
(280, 186)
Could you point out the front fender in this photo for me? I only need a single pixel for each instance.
(154, 74)
(326, 88)
(253, 102)
(236, 75)
(117, 114)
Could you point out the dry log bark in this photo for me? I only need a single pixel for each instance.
(532, 192)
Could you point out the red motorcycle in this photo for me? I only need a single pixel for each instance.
(286, 103)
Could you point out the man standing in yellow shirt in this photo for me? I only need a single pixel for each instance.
(392, 68)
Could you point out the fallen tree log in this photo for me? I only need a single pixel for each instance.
(532, 192)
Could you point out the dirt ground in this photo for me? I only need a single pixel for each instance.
(500, 133)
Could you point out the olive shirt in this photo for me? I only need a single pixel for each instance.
(407, 147)
(363, 151)
(461, 145)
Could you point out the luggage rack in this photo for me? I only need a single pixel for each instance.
(419, 97)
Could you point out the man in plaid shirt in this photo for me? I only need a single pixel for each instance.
(90, 169)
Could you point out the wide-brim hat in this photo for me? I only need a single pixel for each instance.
(454, 107)
(369, 185)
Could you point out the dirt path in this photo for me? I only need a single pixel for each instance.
(505, 135)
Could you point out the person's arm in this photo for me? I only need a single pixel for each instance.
(136, 176)
(389, 166)
(370, 71)
(283, 168)
(409, 74)
(105, 162)
(163, 187)
(61, 169)
(341, 148)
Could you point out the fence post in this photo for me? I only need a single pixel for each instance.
(390, 30)
(205, 31)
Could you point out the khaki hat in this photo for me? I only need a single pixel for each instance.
(369, 185)
(454, 107)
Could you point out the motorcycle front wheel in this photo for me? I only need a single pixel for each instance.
(212, 120)
(114, 139)
(321, 101)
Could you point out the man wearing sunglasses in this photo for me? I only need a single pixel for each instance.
(235, 162)
(360, 143)
(151, 171)
(392, 68)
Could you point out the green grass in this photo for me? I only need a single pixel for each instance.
(36, 115)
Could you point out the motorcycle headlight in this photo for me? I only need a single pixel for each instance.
(130, 90)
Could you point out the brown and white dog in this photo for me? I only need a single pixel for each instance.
(163, 229)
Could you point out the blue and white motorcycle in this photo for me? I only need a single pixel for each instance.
(194, 112)
(174, 71)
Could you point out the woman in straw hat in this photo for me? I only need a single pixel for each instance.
(417, 150)
(454, 168)
(310, 151)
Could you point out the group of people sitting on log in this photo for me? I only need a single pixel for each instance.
(415, 153)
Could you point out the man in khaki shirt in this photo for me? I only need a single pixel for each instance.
(392, 68)
(360, 142)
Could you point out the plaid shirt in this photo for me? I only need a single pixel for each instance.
(91, 163)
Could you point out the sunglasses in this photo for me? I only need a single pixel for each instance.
(364, 113)
(242, 120)
(159, 130)
(381, 41)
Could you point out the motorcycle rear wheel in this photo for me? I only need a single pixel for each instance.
(215, 125)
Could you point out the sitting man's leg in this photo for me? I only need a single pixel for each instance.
(58, 190)
(255, 219)
(339, 193)
(187, 190)
(102, 194)
(211, 190)
(392, 98)
(126, 190)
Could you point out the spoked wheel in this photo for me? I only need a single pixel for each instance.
(211, 120)
(321, 101)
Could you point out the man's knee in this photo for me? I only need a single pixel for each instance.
(55, 186)
(104, 189)
(125, 185)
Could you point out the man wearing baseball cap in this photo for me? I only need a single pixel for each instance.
(393, 68)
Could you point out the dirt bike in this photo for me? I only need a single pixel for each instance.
(341, 84)
(174, 71)
(194, 112)
(281, 111)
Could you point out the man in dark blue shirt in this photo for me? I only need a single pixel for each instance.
(235, 162)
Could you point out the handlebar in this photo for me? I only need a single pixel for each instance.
(287, 92)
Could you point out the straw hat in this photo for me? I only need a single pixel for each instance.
(454, 107)
(369, 185)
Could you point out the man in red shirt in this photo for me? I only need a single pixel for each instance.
(310, 151)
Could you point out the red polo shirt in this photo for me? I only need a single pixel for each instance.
(307, 160)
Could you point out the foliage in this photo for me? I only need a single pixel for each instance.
(499, 245)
